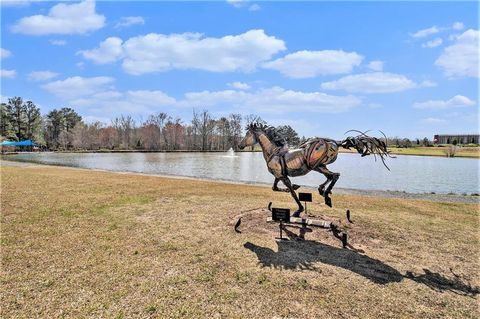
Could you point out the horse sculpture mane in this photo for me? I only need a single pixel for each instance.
(272, 133)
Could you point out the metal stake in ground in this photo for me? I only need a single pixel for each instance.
(305, 197)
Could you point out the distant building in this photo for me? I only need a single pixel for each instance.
(456, 139)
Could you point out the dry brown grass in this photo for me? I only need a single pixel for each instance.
(460, 151)
(79, 243)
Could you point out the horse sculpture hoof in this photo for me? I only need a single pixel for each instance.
(296, 214)
(328, 201)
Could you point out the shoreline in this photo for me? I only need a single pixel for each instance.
(394, 151)
(449, 198)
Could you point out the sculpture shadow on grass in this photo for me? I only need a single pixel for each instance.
(440, 283)
(306, 254)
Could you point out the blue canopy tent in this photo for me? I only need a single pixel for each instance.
(20, 143)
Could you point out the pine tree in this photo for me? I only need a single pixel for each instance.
(6, 127)
(34, 123)
(16, 109)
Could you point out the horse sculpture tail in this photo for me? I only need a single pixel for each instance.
(367, 145)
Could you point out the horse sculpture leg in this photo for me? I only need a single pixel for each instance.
(328, 175)
(291, 187)
(275, 187)
(331, 180)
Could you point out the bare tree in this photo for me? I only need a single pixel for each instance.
(188, 132)
(65, 139)
(235, 129)
(207, 125)
(93, 135)
(173, 132)
(150, 136)
(125, 126)
(78, 136)
(223, 127)
(195, 129)
(108, 137)
(158, 120)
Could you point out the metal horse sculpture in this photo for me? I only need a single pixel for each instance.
(313, 155)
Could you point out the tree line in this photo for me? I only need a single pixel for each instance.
(406, 143)
(64, 129)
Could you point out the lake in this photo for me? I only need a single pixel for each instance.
(413, 174)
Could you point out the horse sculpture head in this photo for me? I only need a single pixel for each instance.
(254, 129)
(250, 138)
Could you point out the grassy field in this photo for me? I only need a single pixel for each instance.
(436, 151)
(79, 244)
(462, 151)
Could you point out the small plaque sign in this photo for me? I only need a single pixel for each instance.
(281, 214)
(305, 197)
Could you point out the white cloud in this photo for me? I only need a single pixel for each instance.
(433, 120)
(109, 50)
(375, 82)
(237, 3)
(454, 102)
(433, 43)
(77, 18)
(376, 65)
(458, 26)
(307, 64)
(461, 58)
(425, 32)
(129, 21)
(9, 74)
(272, 100)
(239, 85)
(254, 7)
(58, 42)
(427, 84)
(244, 4)
(41, 75)
(76, 87)
(98, 96)
(112, 103)
(4, 53)
(15, 3)
(92, 119)
(153, 98)
(159, 53)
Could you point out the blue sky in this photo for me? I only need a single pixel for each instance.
(406, 68)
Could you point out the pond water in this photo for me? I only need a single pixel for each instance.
(413, 174)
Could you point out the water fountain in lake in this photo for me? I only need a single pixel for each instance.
(230, 153)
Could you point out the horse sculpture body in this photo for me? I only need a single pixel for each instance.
(313, 155)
